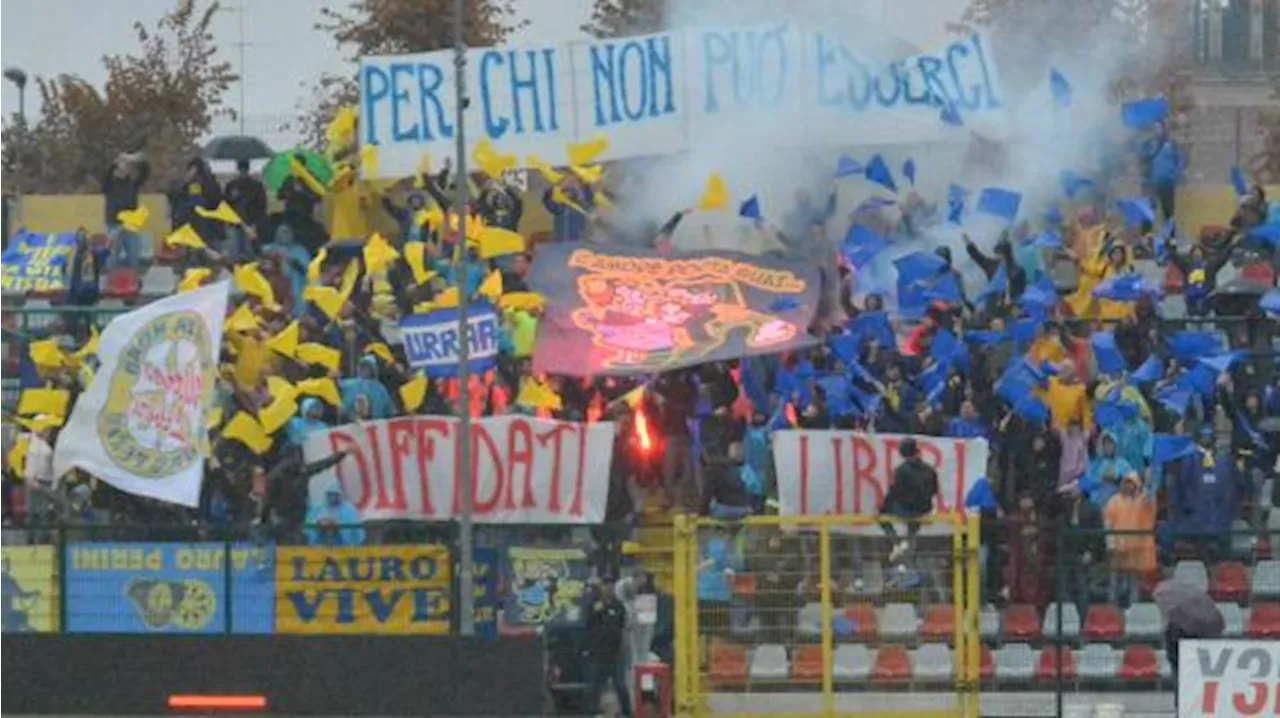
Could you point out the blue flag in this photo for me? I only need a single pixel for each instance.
(1269, 233)
(1162, 241)
(1222, 362)
(1124, 288)
(909, 171)
(1174, 397)
(1188, 345)
(750, 208)
(1144, 113)
(861, 245)
(956, 198)
(1149, 371)
(1060, 88)
(1048, 239)
(1023, 331)
(1270, 302)
(985, 336)
(873, 325)
(1042, 295)
(998, 285)
(1110, 412)
(847, 166)
(1171, 447)
(877, 171)
(1054, 216)
(999, 202)
(1239, 182)
(1136, 211)
(1110, 360)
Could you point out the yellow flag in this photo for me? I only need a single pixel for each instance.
(521, 300)
(424, 168)
(496, 242)
(279, 386)
(246, 429)
(47, 353)
(341, 131)
(134, 219)
(42, 422)
(446, 299)
(277, 413)
(491, 287)
(241, 320)
(90, 347)
(558, 196)
(550, 175)
(378, 253)
(324, 388)
(369, 160)
(299, 170)
(717, 194)
(328, 299)
(382, 351)
(250, 281)
(581, 153)
(286, 342)
(413, 392)
(185, 236)
(349, 277)
(601, 199)
(415, 255)
(194, 278)
(214, 419)
(17, 456)
(490, 162)
(223, 213)
(313, 353)
(313, 269)
(43, 401)
(538, 395)
(432, 218)
(634, 397)
(590, 175)
(423, 307)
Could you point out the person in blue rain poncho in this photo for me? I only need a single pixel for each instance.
(1206, 490)
(1133, 441)
(366, 383)
(309, 419)
(1102, 480)
(716, 566)
(334, 522)
(757, 462)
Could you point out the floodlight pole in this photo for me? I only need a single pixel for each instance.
(466, 568)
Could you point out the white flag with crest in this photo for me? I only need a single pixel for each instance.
(141, 424)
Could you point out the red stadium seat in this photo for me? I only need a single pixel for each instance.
(1140, 663)
(1260, 272)
(122, 284)
(1048, 669)
(1173, 279)
(1103, 623)
(1022, 623)
(863, 617)
(744, 584)
(1230, 582)
(939, 623)
(893, 663)
(1264, 621)
(728, 663)
(806, 664)
(986, 664)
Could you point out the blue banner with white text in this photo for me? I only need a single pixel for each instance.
(432, 340)
(37, 262)
(169, 588)
(674, 91)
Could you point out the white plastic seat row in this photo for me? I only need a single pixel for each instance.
(854, 662)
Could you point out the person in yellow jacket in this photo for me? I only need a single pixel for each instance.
(1068, 399)
(1099, 259)
(1131, 517)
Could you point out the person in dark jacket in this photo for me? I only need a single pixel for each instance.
(1015, 275)
(570, 223)
(606, 621)
(248, 197)
(198, 188)
(1084, 546)
(910, 497)
(1201, 275)
(120, 187)
(1206, 491)
(500, 205)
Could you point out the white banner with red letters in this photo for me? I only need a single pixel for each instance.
(826, 471)
(525, 470)
(1228, 679)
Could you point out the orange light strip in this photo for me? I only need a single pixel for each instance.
(233, 703)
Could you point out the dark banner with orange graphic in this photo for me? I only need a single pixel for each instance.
(617, 310)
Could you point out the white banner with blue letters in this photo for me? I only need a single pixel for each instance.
(431, 340)
(673, 92)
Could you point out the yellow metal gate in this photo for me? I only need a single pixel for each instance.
(826, 616)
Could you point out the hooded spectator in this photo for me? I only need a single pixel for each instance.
(334, 522)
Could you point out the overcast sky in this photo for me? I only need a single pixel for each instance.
(284, 52)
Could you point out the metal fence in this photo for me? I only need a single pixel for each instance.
(800, 616)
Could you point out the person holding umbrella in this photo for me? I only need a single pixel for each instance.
(1188, 612)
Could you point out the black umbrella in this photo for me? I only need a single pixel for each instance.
(1189, 609)
(236, 148)
(1237, 297)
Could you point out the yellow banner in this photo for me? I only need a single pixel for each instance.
(29, 589)
(376, 589)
